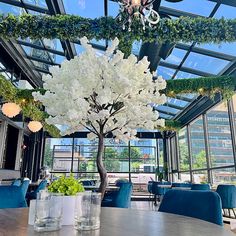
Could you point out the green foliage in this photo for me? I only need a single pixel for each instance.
(68, 186)
(203, 85)
(184, 29)
(48, 159)
(112, 165)
(184, 156)
(30, 108)
(135, 153)
(171, 125)
(135, 165)
(109, 162)
(199, 160)
(7, 90)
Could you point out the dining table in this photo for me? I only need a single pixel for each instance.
(117, 222)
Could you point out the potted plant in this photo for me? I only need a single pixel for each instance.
(69, 186)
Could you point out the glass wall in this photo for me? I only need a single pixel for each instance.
(219, 134)
(197, 141)
(136, 161)
(202, 152)
(225, 175)
(183, 150)
(211, 137)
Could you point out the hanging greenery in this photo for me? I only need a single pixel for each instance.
(30, 108)
(184, 29)
(172, 125)
(208, 86)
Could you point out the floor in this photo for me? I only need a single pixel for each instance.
(149, 206)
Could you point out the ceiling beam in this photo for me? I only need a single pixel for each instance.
(185, 99)
(165, 112)
(41, 70)
(176, 13)
(42, 61)
(185, 69)
(40, 47)
(57, 7)
(206, 52)
(168, 104)
(94, 45)
(19, 61)
(231, 3)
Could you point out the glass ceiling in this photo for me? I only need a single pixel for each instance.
(185, 61)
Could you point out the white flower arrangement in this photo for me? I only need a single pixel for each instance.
(103, 94)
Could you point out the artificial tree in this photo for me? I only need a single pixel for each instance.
(103, 93)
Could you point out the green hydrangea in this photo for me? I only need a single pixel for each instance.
(68, 186)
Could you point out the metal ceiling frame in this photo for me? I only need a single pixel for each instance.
(57, 7)
(193, 48)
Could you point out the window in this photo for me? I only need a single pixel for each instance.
(200, 7)
(224, 176)
(185, 177)
(183, 149)
(165, 72)
(173, 156)
(234, 106)
(219, 135)
(200, 177)
(205, 63)
(176, 56)
(197, 141)
(137, 160)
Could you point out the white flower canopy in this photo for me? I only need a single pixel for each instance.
(103, 93)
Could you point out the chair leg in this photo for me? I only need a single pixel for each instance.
(155, 200)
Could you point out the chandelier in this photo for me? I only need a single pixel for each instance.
(142, 9)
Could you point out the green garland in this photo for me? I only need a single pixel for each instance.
(172, 125)
(30, 108)
(208, 86)
(184, 29)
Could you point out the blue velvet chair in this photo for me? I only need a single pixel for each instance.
(87, 182)
(33, 195)
(16, 182)
(181, 185)
(149, 188)
(11, 197)
(24, 187)
(204, 205)
(228, 197)
(118, 181)
(120, 198)
(158, 191)
(200, 187)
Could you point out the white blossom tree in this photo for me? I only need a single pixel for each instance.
(103, 93)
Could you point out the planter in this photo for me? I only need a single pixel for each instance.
(69, 209)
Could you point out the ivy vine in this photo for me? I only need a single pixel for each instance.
(206, 86)
(184, 29)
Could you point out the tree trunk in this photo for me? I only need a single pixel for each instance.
(101, 169)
